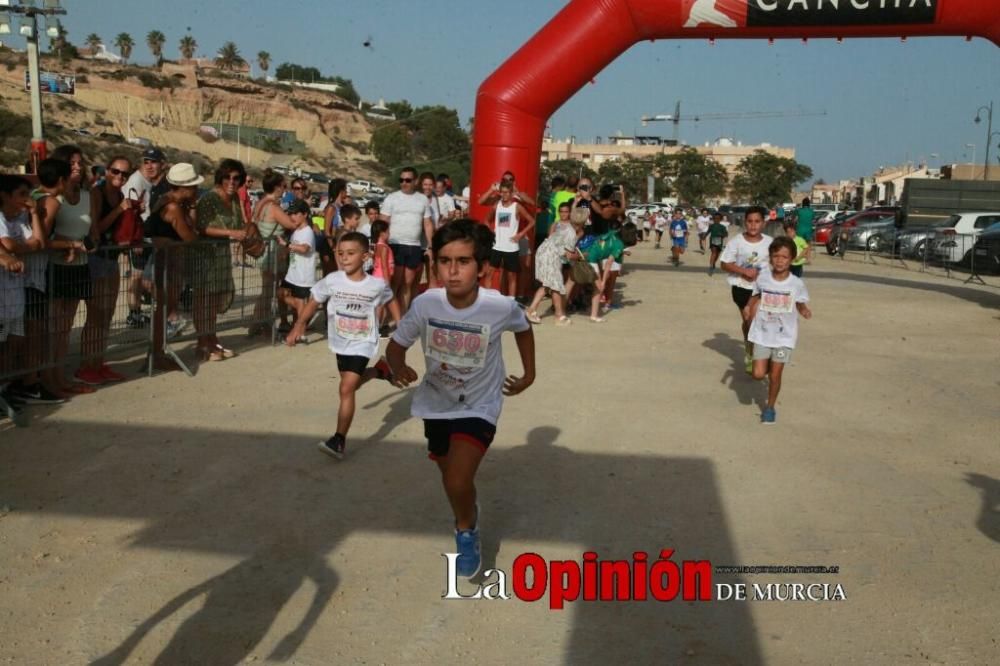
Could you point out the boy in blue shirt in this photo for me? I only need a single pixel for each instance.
(678, 236)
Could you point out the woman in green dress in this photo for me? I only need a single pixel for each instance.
(219, 220)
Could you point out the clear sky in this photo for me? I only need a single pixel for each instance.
(886, 101)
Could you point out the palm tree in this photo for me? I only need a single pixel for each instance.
(124, 44)
(229, 57)
(264, 61)
(155, 41)
(188, 46)
(93, 41)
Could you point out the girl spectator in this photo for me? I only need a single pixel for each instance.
(219, 218)
(549, 260)
(107, 203)
(272, 221)
(336, 197)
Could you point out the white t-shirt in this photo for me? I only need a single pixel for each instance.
(745, 254)
(777, 321)
(462, 351)
(406, 213)
(446, 204)
(352, 329)
(302, 267)
(142, 189)
(464, 201)
(36, 263)
(702, 221)
(12, 284)
(505, 226)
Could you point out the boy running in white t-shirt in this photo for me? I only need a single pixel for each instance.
(460, 327)
(301, 275)
(778, 299)
(742, 258)
(351, 296)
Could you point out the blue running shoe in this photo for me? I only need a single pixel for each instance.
(768, 415)
(469, 556)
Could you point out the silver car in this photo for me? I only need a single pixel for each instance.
(875, 236)
(914, 241)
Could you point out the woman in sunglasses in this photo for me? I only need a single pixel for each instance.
(107, 203)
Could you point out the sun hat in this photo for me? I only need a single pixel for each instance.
(183, 175)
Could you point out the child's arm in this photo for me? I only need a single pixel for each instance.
(300, 324)
(300, 248)
(529, 224)
(804, 310)
(526, 347)
(395, 355)
(10, 262)
(752, 306)
(395, 311)
(382, 256)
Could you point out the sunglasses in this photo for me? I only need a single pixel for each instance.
(406, 180)
(119, 172)
(298, 188)
(235, 178)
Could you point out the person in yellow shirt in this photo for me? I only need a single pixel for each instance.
(802, 247)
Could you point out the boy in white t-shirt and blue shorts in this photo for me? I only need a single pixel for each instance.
(352, 297)
(778, 299)
(460, 399)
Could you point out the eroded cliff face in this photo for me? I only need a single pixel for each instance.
(335, 134)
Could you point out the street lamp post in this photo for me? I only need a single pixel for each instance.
(29, 28)
(989, 134)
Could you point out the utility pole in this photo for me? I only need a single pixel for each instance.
(28, 27)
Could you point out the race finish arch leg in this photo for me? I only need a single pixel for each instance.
(514, 103)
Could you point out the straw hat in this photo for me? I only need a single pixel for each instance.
(183, 175)
(579, 216)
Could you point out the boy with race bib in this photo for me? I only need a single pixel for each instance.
(460, 326)
(778, 299)
(352, 297)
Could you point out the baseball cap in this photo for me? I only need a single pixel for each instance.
(154, 154)
(299, 206)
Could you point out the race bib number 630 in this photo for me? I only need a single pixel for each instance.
(458, 343)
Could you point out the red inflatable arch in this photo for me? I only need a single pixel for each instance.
(514, 103)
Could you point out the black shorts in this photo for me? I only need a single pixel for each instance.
(440, 433)
(36, 304)
(302, 293)
(741, 296)
(355, 364)
(139, 256)
(407, 256)
(796, 270)
(70, 282)
(510, 261)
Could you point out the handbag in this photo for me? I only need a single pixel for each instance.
(128, 230)
(581, 272)
(254, 243)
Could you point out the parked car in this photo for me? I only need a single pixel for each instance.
(838, 233)
(913, 241)
(639, 211)
(953, 243)
(365, 186)
(874, 236)
(987, 250)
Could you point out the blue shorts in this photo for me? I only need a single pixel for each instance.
(679, 242)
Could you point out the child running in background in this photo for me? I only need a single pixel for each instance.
(743, 258)
(778, 299)
(382, 262)
(678, 237)
(303, 259)
(460, 399)
(717, 235)
(803, 251)
(351, 296)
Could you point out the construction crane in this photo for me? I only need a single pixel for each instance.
(676, 118)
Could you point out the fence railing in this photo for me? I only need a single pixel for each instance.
(74, 311)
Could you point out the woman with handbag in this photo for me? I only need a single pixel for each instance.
(549, 259)
(219, 221)
(271, 221)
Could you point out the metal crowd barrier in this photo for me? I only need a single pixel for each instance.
(104, 304)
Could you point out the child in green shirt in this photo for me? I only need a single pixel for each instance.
(802, 247)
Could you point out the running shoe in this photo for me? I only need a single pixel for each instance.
(176, 327)
(748, 363)
(110, 375)
(711, 272)
(137, 319)
(36, 394)
(469, 555)
(768, 416)
(334, 446)
(90, 377)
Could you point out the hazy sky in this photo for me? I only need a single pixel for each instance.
(886, 101)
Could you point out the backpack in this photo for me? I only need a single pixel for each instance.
(629, 234)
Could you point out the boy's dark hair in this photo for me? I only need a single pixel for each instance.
(372, 205)
(783, 242)
(355, 237)
(271, 180)
(557, 182)
(788, 224)
(349, 211)
(226, 167)
(606, 192)
(566, 204)
(760, 210)
(378, 228)
(465, 230)
(51, 170)
(9, 183)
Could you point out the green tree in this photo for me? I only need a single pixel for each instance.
(124, 43)
(391, 145)
(229, 57)
(346, 89)
(401, 110)
(768, 179)
(693, 176)
(629, 172)
(93, 41)
(188, 46)
(289, 71)
(439, 134)
(155, 41)
(264, 61)
(566, 168)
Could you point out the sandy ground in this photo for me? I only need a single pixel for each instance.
(179, 520)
